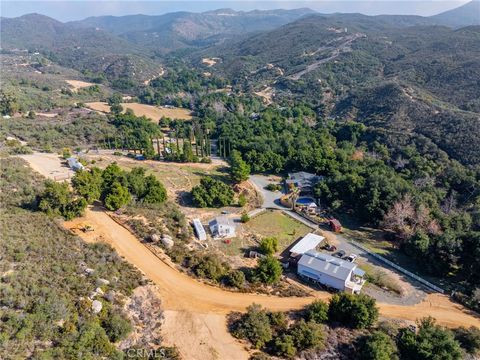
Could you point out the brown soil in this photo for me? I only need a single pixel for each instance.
(180, 292)
(77, 84)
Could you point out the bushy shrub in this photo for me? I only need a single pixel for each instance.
(377, 346)
(254, 326)
(307, 335)
(212, 193)
(210, 267)
(236, 278)
(58, 200)
(469, 339)
(356, 311)
(268, 271)
(317, 311)
(269, 245)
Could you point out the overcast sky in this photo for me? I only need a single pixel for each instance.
(75, 10)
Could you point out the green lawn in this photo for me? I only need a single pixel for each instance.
(279, 225)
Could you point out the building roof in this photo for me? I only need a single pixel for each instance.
(303, 179)
(326, 264)
(222, 221)
(199, 228)
(308, 242)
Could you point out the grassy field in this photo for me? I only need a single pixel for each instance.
(279, 225)
(151, 112)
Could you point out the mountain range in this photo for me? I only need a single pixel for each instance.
(404, 74)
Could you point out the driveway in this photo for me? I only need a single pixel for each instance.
(271, 199)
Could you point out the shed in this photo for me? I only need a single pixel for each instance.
(199, 229)
(335, 225)
(308, 242)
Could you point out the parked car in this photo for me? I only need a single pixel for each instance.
(225, 212)
(329, 247)
(351, 257)
(340, 254)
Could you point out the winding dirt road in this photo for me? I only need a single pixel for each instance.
(179, 291)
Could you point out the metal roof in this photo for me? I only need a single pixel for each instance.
(222, 220)
(326, 264)
(308, 242)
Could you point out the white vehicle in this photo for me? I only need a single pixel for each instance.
(351, 258)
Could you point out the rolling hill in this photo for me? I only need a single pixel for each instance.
(179, 30)
(86, 49)
(343, 64)
(465, 15)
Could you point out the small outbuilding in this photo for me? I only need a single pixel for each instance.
(74, 164)
(199, 230)
(308, 242)
(335, 225)
(331, 271)
(222, 227)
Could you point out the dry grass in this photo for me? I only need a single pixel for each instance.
(78, 84)
(151, 112)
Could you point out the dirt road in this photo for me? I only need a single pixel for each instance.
(181, 292)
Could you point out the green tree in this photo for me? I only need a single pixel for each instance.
(307, 335)
(244, 218)
(469, 339)
(269, 245)
(356, 311)
(268, 270)
(116, 326)
(242, 200)
(8, 104)
(254, 326)
(210, 267)
(212, 193)
(239, 169)
(155, 192)
(431, 342)
(117, 196)
(317, 311)
(285, 346)
(236, 278)
(136, 182)
(377, 346)
(88, 184)
(57, 200)
(115, 99)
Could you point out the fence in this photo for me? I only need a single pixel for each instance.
(402, 270)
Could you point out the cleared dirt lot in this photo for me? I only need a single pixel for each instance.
(151, 112)
(48, 165)
(78, 84)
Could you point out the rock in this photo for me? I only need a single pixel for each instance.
(167, 242)
(89, 271)
(101, 282)
(155, 238)
(96, 306)
(99, 291)
(110, 296)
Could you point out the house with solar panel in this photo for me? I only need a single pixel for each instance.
(331, 271)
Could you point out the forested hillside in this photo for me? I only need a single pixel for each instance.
(88, 49)
(417, 79)
(175, 31)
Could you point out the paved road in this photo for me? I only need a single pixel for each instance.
(271, 199)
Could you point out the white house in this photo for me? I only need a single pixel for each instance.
(308, 242)
(199, 230)
(331, 271)
(222, 227)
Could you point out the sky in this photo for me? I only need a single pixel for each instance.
(68, 10)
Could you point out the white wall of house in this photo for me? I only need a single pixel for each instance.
(321, 278)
